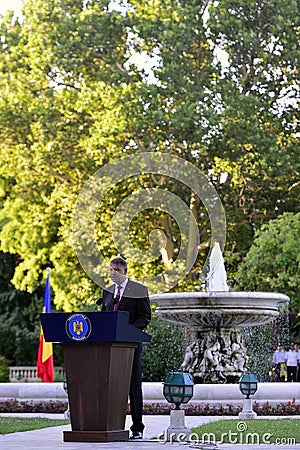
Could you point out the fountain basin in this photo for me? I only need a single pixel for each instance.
(216, 352)
(219, 309)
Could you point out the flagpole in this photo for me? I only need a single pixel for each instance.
(44, 361)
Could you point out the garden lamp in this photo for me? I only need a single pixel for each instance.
(178, 388)
(248, 386)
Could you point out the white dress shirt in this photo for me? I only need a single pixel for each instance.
(292, 358)
(122, 288)
(279, 356)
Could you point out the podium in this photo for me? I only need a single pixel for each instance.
(98, 352)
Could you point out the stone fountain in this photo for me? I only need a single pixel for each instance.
(215, 319)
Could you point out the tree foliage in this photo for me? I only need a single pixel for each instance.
(273, 263)
(19, 327)
(74, 97)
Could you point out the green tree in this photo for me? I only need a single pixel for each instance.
(20, 325)
(73, 99)
(273, 263)
(257, 142)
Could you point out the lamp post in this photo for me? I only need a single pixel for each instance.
(248, 386)
(65, 386)
(178, 388)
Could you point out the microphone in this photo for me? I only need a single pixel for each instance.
(98, 303)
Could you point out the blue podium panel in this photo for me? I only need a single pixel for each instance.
(111, 326)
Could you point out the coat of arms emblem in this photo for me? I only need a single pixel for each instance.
(78, 327)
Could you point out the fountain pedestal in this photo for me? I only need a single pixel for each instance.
(216, 356)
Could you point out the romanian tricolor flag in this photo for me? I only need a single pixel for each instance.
(44, 360)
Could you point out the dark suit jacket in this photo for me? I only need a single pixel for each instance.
(135, 300)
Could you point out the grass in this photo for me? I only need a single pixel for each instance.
(260, 431)
(15, 424)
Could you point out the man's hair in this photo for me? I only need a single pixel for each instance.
(120, 261)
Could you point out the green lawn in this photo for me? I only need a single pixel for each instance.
(259, 431)
(15, 424)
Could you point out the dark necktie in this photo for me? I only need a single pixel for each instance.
(117, 299)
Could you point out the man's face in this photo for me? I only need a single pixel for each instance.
(117, 273)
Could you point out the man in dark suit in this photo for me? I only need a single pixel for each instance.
(127, 295)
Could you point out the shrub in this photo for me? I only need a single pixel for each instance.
(165, 352)
(4, 370)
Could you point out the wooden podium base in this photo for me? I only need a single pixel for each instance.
(96, 436)
(98, 376)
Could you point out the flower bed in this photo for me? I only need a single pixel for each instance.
(14, 406)
(58, 407)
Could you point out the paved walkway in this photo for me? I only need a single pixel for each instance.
(51, 438)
